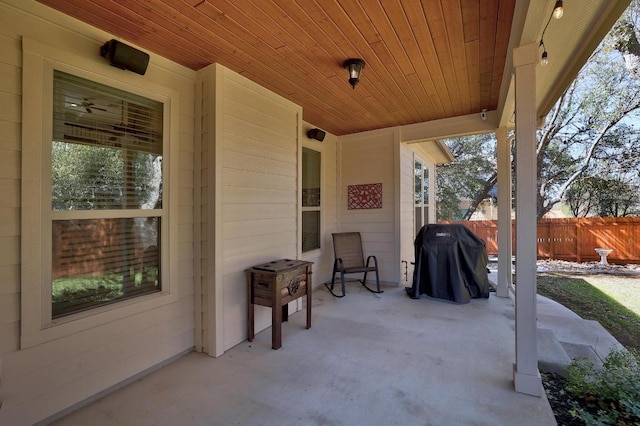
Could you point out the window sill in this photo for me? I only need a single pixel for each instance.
(96, 317)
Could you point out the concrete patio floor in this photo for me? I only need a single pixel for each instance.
(367, 360)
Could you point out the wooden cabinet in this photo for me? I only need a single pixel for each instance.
(275, 284)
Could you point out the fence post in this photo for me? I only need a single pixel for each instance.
(578, 241)
(552, 238)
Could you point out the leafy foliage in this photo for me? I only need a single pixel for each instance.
(471, 178)
(86, 177)
(612, 391)
(588, 132)
(81, 175)
(597, 196)
(68, 295)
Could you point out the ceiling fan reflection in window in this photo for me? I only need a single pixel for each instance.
(95, 119)
(89, 106)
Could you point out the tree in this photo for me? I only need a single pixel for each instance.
(470, 178)
(580, 197)
(618, 199)
(597, 196)
(91, 177)
(589, 125)
(591, 131)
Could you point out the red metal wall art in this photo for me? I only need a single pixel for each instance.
(367, 196)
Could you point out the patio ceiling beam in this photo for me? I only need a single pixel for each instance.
(506, 102)
(485, 122)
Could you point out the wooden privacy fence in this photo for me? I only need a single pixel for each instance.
(573, 239)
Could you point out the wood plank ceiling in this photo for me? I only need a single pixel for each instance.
(425, 59)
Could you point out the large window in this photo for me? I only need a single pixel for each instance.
(100, 174)
(106, 195)
(311, 205)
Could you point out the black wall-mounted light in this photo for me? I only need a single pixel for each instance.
(125, 57)
(316, 134)
(354, 66)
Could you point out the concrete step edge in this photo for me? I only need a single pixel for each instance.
(552, 356)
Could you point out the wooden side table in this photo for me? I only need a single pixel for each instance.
(275, 284)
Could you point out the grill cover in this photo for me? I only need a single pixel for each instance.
(451, 264)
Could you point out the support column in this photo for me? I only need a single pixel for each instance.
(504, 212)
(525, 370)
(209, 290)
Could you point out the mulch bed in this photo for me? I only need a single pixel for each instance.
(587, 268)
(561, 402)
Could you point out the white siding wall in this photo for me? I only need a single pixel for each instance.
(252, 145)
(44, 379)
(366, 158)
(10, 147)
(259, 141)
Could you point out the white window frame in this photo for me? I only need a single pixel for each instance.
(429, 203)
(39, 62)
(318, 147)
(419, 222)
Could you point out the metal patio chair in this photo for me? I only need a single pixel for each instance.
(349, 259)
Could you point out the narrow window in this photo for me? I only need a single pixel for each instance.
(421, 194)
(106, 190)
(311, 205)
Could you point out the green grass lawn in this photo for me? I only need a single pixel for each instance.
(613, 301)
(69, 295)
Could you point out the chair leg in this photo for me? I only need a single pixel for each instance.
(364, 283)
(337, 267)
(333, 277)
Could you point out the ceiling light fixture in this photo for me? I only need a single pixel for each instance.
(354, 66)
(558, 10)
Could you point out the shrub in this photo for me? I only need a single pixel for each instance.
(611, 394)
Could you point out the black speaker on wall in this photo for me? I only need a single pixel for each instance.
(125, 57)
(316, 134)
